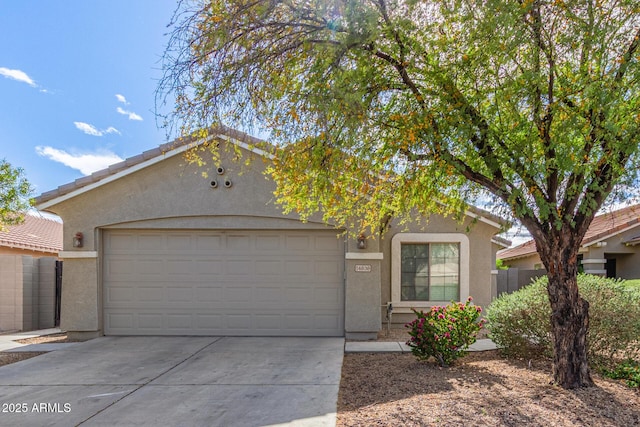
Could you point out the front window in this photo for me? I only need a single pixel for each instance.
(429, 269)
(430, 272)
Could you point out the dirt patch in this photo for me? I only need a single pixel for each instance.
(481, 389)
(7, 358)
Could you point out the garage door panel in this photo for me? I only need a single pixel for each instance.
(209, 243)
(179, 242)
(237, 243)
(268, 243)
(120, 294)
(269, 267)
(303, 268)
(200, 282)
(327, 243)
(121, 242)
(239, 267)
(240, 324)
(149, 242)
(207, 268)
(297, 243)
(209, 294)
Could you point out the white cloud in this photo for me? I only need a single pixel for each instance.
(132, 115)
(87, 128)
(18, 75)
(86, 163)
(92, 130)
(111, 129)
(122, 99)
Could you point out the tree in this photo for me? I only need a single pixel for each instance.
(382, 107)
(14, 193)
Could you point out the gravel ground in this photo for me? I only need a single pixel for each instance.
(481, 389)
(6, 358)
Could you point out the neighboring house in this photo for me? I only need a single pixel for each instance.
(36, 236)
(153, 247)
(611, 247)
(29, 274)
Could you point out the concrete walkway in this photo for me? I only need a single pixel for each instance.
(401, 347)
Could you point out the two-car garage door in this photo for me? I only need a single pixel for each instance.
(206, 282)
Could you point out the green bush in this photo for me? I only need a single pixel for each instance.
(629, 370)
(444, 332)
(520, 322)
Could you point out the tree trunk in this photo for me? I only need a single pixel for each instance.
(569, 319)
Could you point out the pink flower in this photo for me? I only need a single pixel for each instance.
(440, 316)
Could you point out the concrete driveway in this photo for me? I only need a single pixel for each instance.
(171, 381)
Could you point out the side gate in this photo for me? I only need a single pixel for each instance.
(58, 295)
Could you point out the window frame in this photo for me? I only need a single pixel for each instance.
(426, 238)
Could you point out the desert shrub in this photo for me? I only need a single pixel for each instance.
(444, 332)
(629, 371)
(520, 322)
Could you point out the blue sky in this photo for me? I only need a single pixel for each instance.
(77, 82)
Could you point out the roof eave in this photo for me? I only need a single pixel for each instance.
(602, 237)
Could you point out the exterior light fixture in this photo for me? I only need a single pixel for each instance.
(362, 242)
(78, 240)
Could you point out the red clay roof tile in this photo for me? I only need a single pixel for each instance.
(602, 226)
(36, 233)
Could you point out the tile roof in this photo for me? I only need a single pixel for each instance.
(603, 226)
(525, 249)
(36, 233)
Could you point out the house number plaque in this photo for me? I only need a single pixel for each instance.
(363, 268)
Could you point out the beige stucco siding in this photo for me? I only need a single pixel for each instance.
(525, 263)
(81, 301)
(168, 195)
(627, 258)
(174, 195)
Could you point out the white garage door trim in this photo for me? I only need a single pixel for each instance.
(231, 282)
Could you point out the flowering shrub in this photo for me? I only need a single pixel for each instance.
(444, 332)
